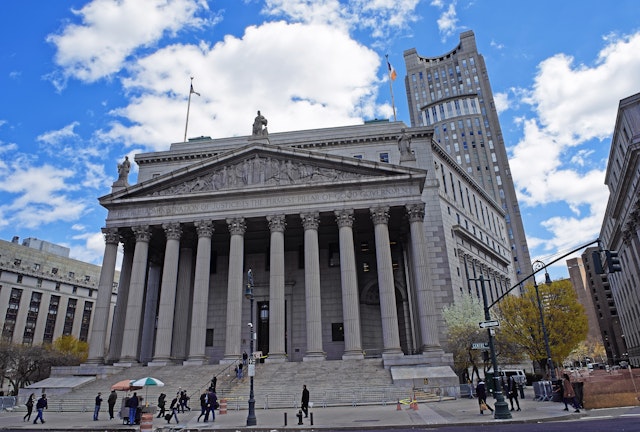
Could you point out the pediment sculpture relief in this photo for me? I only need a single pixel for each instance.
(259, 171)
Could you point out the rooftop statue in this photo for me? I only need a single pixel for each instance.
(258, 123)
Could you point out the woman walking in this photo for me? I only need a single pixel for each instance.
(29, 404)
(569, 395)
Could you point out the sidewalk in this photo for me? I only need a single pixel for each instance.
(460, 411)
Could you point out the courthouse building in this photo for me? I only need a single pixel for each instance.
(356, 238)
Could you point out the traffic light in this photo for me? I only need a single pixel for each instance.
(613, 261)
(597, 262)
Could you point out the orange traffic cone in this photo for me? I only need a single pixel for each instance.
(398, 407)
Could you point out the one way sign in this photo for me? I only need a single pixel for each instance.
(489, 324)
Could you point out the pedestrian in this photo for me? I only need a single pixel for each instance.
(174, 409)
(481, 392)
(29, 405)
(161, 403)
(113, 397)
(203, 404)
(133, 408)
(184, 401)
(41, 405)
(557, 388)
(239, 370)
(235, 371)
(305, 401)
(245, 358)
(96, 409)
(569, 395)
(212, 404)
(513, 392)
(214, 382)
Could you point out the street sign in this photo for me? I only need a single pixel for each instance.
(489, 324)
(480, 346)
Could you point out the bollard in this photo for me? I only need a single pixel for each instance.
(311, 418)
(299, 415)
(223, 406)
(285, 419)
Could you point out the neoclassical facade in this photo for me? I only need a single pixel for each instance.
(356, 238)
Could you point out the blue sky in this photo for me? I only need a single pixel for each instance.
(84, 83)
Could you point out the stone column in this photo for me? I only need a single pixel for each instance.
(183, 301)
(235, 290)
(131, 336)
(150, 309)
(164, 332)
(386, 285)
(310, 222)
(349, 283)
(120, 311)
(427, 317)
(200, 303)
(103, 302)
(277, 351)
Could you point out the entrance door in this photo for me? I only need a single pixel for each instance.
(263, 327)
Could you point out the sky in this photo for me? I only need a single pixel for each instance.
(85, 83)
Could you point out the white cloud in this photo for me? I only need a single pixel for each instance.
(295, 73)
(573, 104)
(501, 101)
(112, 30)
(42, 195)
(57, 136)
(92, 249)
(448, 20)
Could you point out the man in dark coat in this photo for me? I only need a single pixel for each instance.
(161, 403)
(305, 401)
(133, 407)
(481, 392)
(96, 409)
(113, 397)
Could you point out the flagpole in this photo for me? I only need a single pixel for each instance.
(188, 106)
(393, 103)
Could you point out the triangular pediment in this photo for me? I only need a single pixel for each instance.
(263, 167)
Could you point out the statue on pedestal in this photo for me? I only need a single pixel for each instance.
(258, 123)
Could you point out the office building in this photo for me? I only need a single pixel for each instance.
(451, 93)
(45, 294)
(619, 231)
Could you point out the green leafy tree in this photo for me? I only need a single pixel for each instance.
(564, 318)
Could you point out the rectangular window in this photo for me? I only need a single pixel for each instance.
(384, 157)
(86, 320)
(12, 314)
(334, 255)
(52, 315)
(337, 332)
(69, 317)
(209, 338)
(32, 318)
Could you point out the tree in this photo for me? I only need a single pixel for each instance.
(462, 319)
(76, 350)
(564, 319)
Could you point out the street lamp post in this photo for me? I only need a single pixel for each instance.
(248, 294)
(539, 265)
(502, 408)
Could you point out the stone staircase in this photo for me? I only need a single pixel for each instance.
(276, 385)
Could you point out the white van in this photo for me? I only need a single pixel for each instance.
(517, 374)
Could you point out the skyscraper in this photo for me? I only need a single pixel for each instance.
(452, 94)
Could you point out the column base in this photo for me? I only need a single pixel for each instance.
(392, 354)
(314, 357)
(95, 361)
(193, 362)
(156, 363)
(353, 355)
(276, 358)
(230, 360)
(124, 364)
